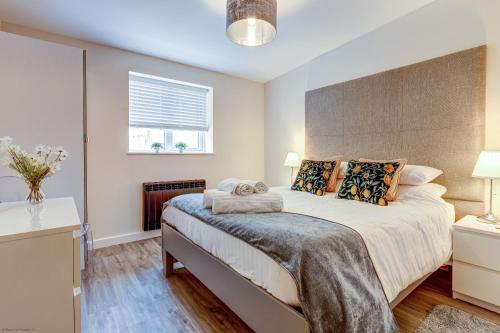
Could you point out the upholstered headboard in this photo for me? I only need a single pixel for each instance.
(432, 113)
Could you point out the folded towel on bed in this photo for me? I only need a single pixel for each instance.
(257, 203)
(227, 203)
(210, 195)
(242, 187)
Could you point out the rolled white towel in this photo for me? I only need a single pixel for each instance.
(258, 187)
(235, 186)
(242, 187)
(257, 203)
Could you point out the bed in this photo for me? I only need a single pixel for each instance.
(406, 241)
(415, 233)
(434, 116)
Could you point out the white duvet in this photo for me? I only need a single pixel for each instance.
(406, 240)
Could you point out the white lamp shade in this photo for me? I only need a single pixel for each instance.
(251, 32)
(292, 160)
(487, 165)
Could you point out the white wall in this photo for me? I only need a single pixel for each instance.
(285, 119)
(443, 27)
(41, 102)
(114, 177)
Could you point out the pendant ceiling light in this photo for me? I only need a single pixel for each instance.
(251, 22)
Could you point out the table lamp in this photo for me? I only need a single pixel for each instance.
(488, 167)
(292, 160)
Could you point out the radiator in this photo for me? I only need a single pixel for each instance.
(154, 194)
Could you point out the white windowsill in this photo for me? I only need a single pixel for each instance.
(166, 153)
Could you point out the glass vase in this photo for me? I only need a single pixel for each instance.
(35, 194)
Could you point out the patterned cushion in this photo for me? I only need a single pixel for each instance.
(392, 193)
(313, 176)
(368, 181)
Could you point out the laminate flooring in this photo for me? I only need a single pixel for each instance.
(126, 292)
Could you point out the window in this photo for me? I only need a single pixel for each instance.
(168, 112)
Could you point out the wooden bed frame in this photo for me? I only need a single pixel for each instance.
(256, 307)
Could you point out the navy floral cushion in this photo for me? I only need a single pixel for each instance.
(313, 176)
(368, 181)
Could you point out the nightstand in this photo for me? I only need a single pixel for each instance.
(476, 263)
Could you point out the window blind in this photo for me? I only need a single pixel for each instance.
(159, 103)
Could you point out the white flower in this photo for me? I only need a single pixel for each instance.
(64, 155)
(40, 149)
(5, 142)
(38, 162)
(17, 150)
(31, 166)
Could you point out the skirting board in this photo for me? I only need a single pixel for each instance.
(125, 238)
(475, 301)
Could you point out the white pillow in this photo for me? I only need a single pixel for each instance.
(343, 169)
(418, 175)
(426, 190)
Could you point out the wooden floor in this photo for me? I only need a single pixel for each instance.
(127, 293)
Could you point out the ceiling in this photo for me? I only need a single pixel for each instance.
(193, 31)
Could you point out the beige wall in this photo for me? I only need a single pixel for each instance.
(114, 178)
(443, 27)
(39, 105)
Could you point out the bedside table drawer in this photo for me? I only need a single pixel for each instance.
(477, 249)
(476, 282)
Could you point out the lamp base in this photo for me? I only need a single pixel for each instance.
(488, 218)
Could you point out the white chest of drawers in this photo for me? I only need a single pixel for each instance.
(40, 267)
(476, 263)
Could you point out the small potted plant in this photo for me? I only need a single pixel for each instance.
(156, 146)
(181, 146)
